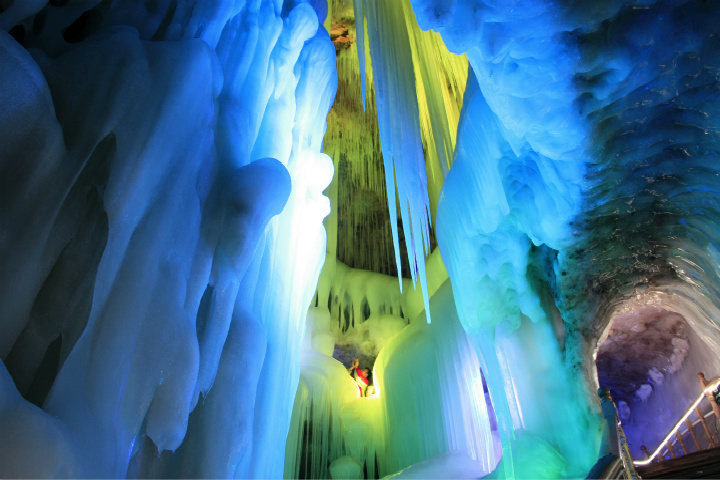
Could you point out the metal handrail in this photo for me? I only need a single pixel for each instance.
(628, 462)
(618, 441)
(708, 389)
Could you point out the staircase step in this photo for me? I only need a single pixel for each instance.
(703, 464)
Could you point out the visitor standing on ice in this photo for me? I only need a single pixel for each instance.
(360, 377)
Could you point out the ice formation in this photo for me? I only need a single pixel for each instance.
(170, 305)
(162, 210)
(410, 92)
(562, 135)
(429, 403)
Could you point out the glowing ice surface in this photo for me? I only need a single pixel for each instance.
(565, 144)
(149, 150)
(430, 403)
(162, 206)
(416, 84)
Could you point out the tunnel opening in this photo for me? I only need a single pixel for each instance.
(650, 358)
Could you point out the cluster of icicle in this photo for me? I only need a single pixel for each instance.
(418, 89)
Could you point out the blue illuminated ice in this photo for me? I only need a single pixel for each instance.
(163, 200)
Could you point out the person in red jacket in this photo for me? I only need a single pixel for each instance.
(360, 377)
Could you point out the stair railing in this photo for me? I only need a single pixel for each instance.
(666, 444)
(618, 442)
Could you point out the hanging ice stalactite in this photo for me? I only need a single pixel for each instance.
(410, 92)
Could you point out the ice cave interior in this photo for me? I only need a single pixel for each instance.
(209, 208)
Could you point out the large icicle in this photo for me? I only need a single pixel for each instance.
(412, 101)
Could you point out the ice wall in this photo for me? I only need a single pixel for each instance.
(162, 232)
(434, 365)
(499, 261)
(577, 175)
(651, 238)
